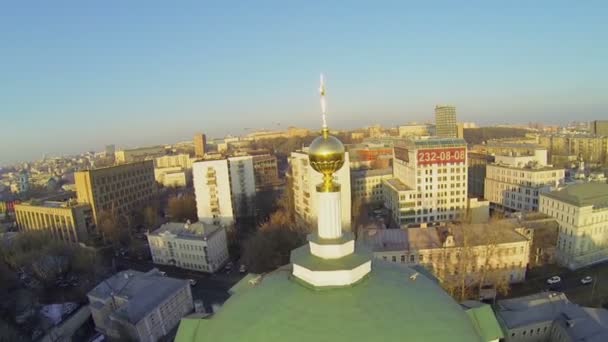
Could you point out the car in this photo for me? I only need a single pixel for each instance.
(192, 282)
(243, 269)
(554, 280)
(162, 273)
(586, 280)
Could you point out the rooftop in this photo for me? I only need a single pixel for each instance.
(434, 142)
(142, 291)
(371, 173)
(196, 230)
(385, 239)
(386, 303)
(397, 184)
(582, 195)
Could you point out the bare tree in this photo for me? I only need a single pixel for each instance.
(182, 209)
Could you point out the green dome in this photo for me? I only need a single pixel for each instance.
(385, 306)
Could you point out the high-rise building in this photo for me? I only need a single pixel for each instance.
(445, 122)
(305, 180)
(119, 189)
(224, 189)
(582, 213)
(429, 181)
(515, 180)
(266, 172)
(200, 142)
(65, 221)
(600, 127)
(195, 246)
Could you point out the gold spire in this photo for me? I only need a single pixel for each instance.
(326, 152)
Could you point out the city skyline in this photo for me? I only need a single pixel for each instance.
(76, 78)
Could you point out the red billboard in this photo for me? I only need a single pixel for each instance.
(441, 155)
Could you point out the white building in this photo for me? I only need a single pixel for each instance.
(196, 246)
(582, 213)
(171, 176)
(224, 189)
(305, 180)
(429, 181)
(514, 181)
(137, 306)
(366, 185)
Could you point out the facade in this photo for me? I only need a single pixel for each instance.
(599, 127)
(414, 130)
(224, 189)
(514, 182)
(581, 211)
(550, 316)
(196, 246)
(139, 306)
(366, 185)
(200, 145)
(65, 221)
(483, 251)
(429, 181)
(305, 180)
(477, 162)
(179, 160)
(120, 188)
(370, 155)
(171, 176)
(445, 122)
(138, 154)
(266, 172)
(591, 148)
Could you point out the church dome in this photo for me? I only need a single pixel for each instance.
(388, 305)
(326, 154)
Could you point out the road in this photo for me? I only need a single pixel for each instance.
(210, 288)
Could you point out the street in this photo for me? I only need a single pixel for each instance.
(210, 288)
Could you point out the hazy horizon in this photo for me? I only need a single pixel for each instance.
(77, 76)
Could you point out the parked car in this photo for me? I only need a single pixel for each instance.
(192, 282)
(554, 280)
(587, 280)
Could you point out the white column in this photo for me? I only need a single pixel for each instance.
(329, 215)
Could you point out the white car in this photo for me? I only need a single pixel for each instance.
(586, 280)
(554, 280)
(192, 282)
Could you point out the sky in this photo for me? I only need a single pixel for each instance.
(77, 75)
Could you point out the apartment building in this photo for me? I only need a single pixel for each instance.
(305, 180)
(366, 185)
(172, 176)
(582, 214)
(137, 306)
(224, 189)
(200, 145)
(121, 188)
(515, 181)
(266, 172)
(484, 251)
(195, 246)
(429, 181)
(65, 221)
(179, 160)
(591, 148)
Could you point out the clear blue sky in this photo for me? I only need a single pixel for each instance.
(77, 75)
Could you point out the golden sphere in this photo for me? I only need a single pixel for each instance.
(326, 154)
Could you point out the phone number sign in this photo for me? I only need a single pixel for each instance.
(441, 156)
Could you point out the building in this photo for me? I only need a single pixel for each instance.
(121, 188)
(370, 155)
(550, 316)
(305, 180)
(514, 181)
(266, 172)
(139, 306)
(24, 182)
(414, 130)
(196, 246)
(599, 127)
(366, 185)
(445, 122)
(593, 149)
(179, 160)
(109, 151)
(224, 189)
(138, 154)
(200, 145)
(65, 221)
(429, 181)
(477, 162)
(172, 176)
(329, 284)
(491, 252)
(545, 231)
(581, 211)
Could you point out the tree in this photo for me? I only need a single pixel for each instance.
(182, 209)
(150, 217)
(109, 227)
